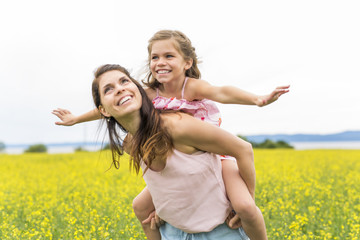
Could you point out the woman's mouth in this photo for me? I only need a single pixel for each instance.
(124, 99)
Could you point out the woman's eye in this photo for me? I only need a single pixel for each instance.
(124, 81)
(107, 90)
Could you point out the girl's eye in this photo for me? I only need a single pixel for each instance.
(154, 57)
(169, 56)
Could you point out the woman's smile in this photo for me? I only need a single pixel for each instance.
(124, 100)
(119, 95)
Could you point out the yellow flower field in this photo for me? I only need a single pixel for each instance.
(312, 194)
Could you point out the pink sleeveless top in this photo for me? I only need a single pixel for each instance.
(205, 110)
(189, 193)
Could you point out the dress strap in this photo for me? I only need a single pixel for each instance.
(183, 89)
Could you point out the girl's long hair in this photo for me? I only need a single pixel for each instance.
(150, 142)
(183, 46)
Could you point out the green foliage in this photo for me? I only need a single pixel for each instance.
(2, 146)
(268, 143)
(283, 144)
(80, 149)
(106, 147)
(36, 148)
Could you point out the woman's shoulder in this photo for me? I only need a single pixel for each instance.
(172, 119)
(176, 122)
(178, 125)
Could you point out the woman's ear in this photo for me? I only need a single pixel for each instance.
(103, 111)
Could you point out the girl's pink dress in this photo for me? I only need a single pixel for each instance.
(205, 110)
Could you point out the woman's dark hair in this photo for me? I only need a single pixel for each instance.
(149, 142)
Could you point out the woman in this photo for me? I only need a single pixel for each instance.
(173, 149)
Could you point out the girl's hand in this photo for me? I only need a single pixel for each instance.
(154, 220)
(233, 221)
(273, 96)
(66, 117)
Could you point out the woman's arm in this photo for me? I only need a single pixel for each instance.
(69, 119)
(190, 134)
(234, 95)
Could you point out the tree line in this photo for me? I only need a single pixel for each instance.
(267, 143)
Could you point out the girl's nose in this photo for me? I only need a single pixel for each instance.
(162, 61)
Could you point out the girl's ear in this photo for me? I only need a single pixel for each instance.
(103, 111)
(188, 64)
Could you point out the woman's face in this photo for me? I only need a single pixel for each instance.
(119, 96)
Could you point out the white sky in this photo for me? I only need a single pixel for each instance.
(49, 50)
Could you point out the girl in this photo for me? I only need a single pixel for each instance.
(185, 181)
(173, 83)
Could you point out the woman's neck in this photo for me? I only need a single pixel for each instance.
(131, 122)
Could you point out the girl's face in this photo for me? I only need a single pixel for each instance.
(119, 96)
(166, 62)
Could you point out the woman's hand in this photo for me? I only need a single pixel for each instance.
(154, 220)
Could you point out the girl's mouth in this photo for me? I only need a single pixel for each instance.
(163, 71)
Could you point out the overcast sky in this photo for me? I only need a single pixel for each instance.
(49, 50)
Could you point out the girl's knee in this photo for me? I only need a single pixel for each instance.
(141, 209)
(138, 208)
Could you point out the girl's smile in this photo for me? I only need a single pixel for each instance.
(167, 64)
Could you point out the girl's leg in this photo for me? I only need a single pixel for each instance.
(242, 202)
(143, 206)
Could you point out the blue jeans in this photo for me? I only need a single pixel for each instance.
(222, 232)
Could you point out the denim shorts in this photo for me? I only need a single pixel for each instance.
(222, 232)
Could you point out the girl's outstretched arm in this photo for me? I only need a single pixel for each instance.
(233, 95)
(188, 131)
(69, 119)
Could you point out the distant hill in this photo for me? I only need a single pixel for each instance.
(337, 137)
(65, 144)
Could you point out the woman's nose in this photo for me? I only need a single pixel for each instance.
(119, 88)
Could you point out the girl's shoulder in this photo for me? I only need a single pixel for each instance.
(194, 87)
(193, 81)
(196, 81)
